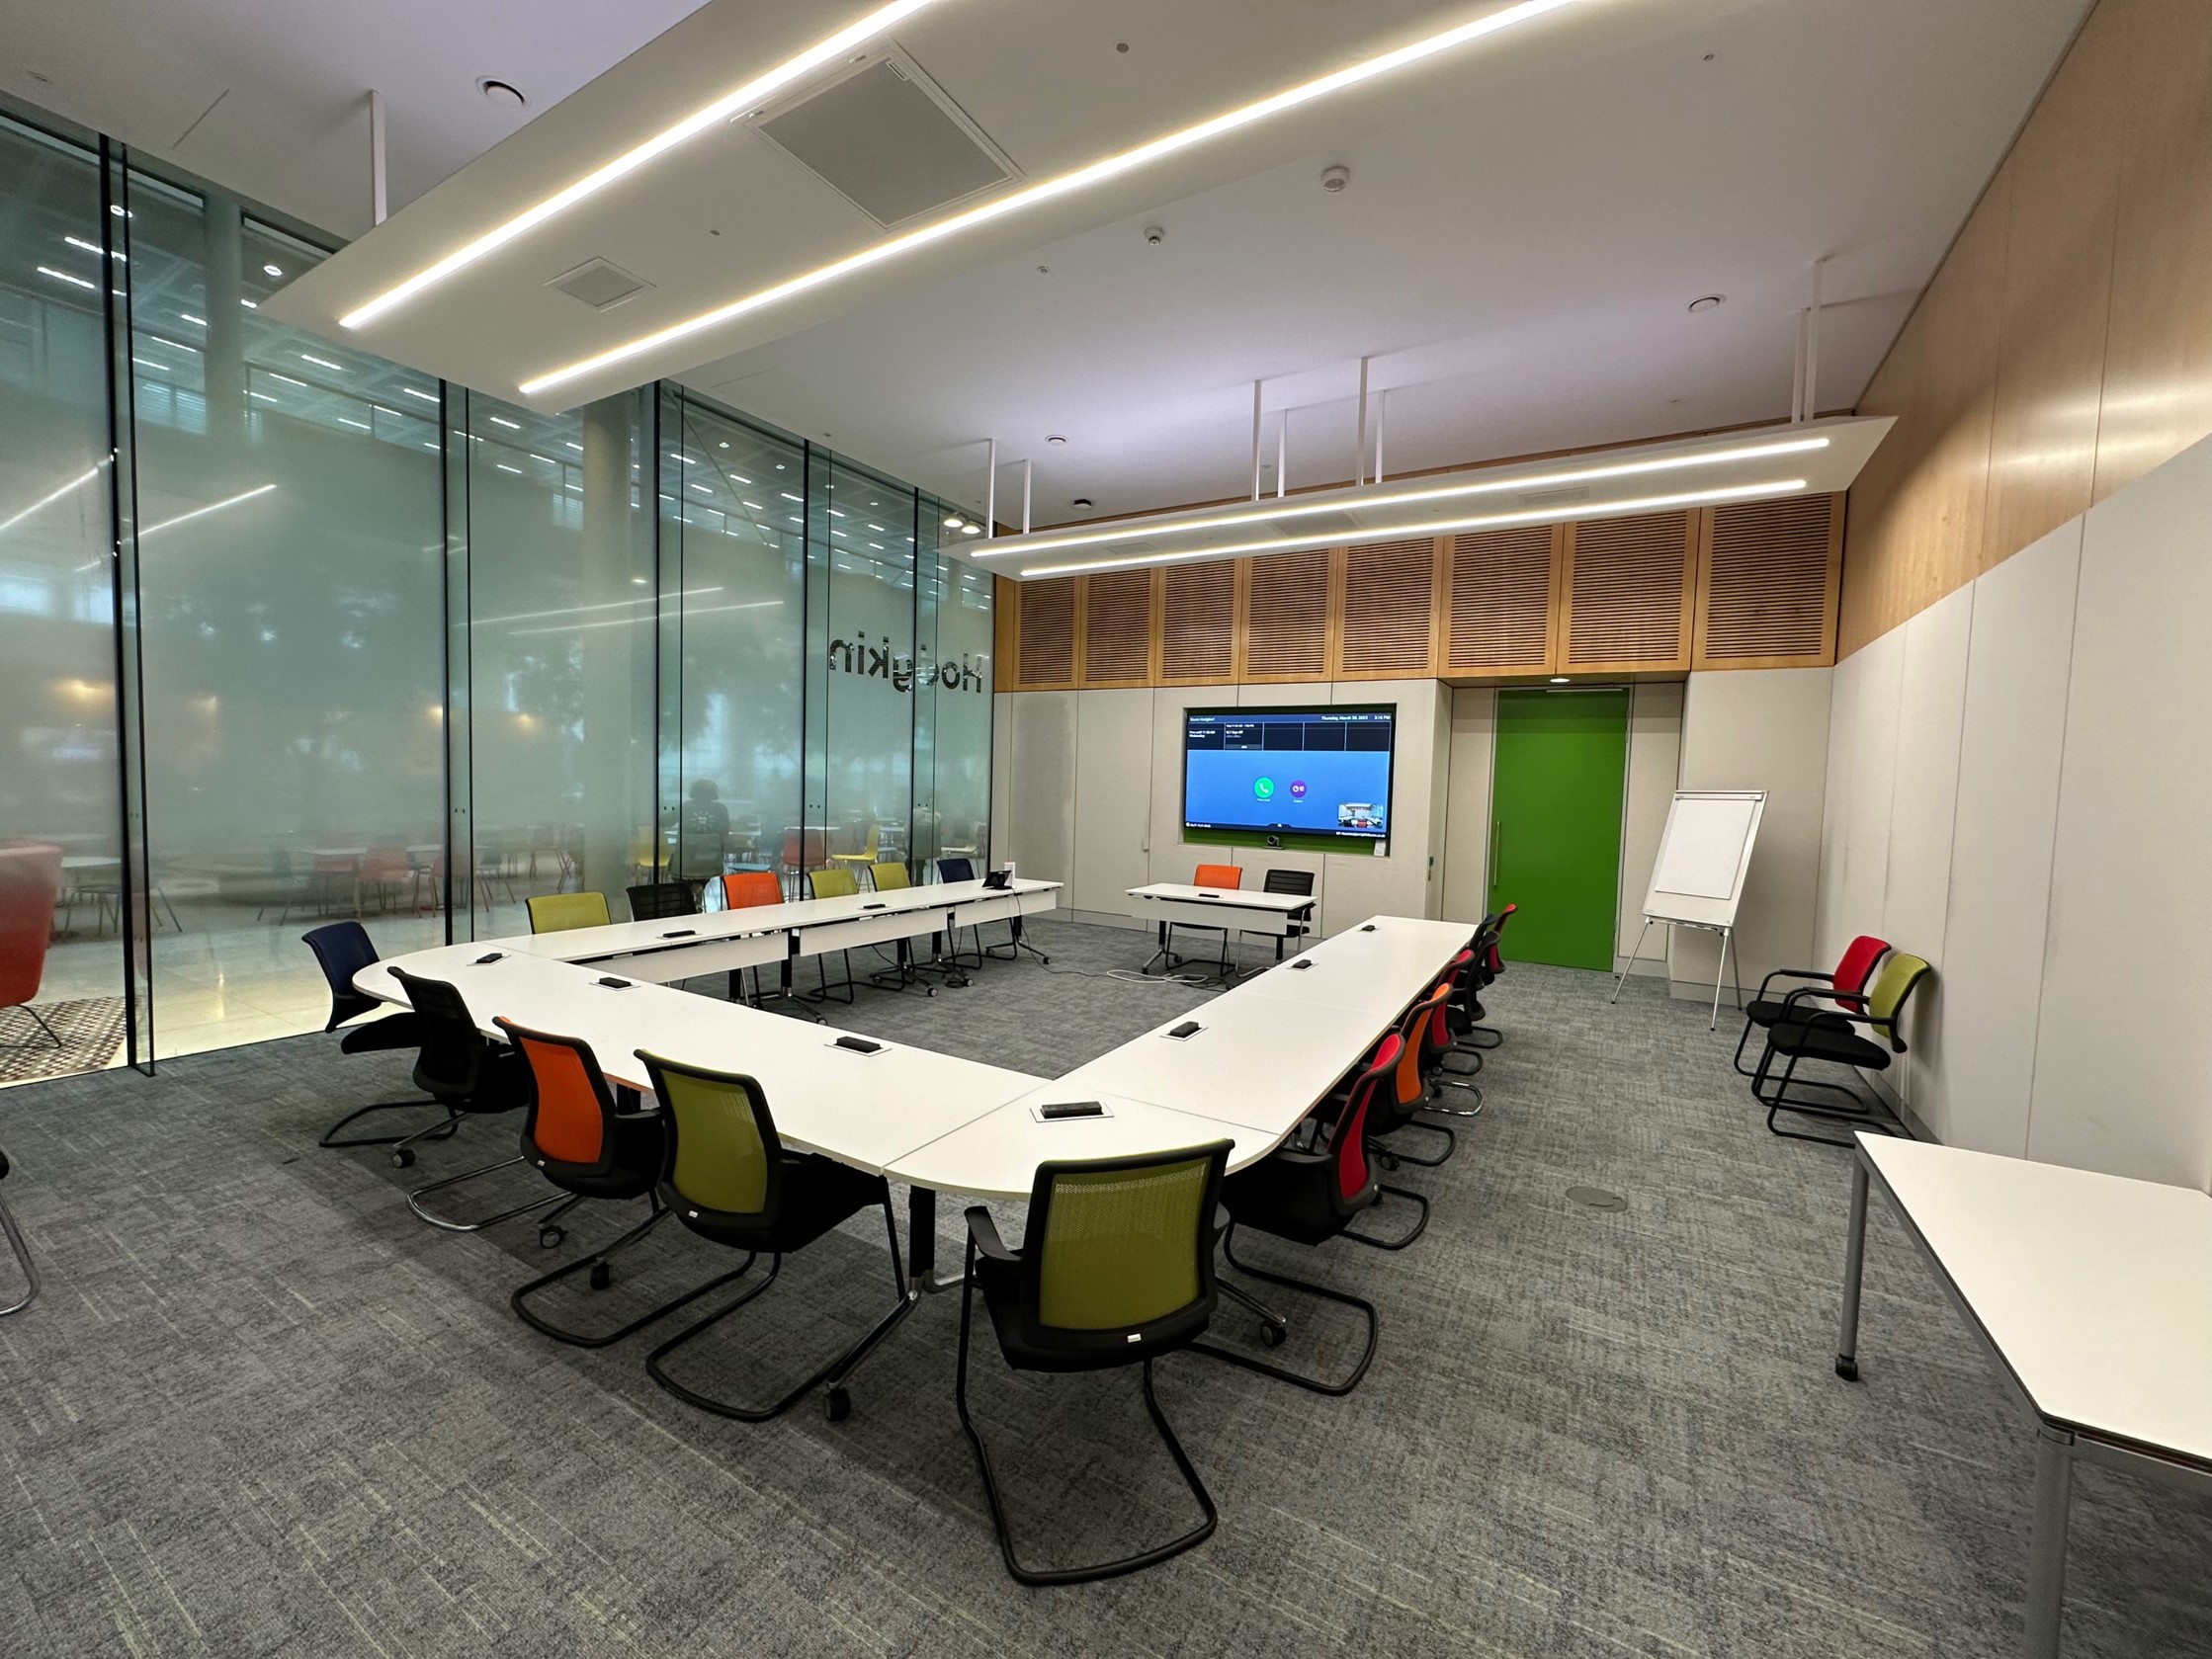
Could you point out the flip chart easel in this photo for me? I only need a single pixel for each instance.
(1699, 881)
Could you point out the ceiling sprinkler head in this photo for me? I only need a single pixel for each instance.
(1334, 179)
(1155, 235)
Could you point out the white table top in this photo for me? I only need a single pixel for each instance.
(2095, 1289)
(864, 1109)
(1231, 898)
(996, 1155)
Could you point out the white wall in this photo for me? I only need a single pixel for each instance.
(1759, 729)
(1655, 769)
(2018, 790)
(1090, 791)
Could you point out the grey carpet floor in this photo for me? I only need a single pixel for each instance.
(261, 1410)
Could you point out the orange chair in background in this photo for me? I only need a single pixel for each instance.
(1214, 877)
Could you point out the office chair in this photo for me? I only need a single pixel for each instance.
(1450, 1036)
(750, 889)
(1421, 1039)
(22, 1249)
(342, 950)
(1309, 1190)
(854, 862)
(729, 1181)
(654, 901)
(560, 912)
(1808, 1031)
(467, 1074)
(891, 879)
(591, 1144)
(1298, 884)
(1489, 963)
(1847, 986)
(1222, 877)
(29, 891)
(831, 884)
(1116, 1267)
(963, 870)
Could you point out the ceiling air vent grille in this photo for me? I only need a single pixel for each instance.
(1118, 629)
(1502, 600)
(888, 140)
(1390, 608)
(1286, 617)
(1198, 623)
(1047, 656)
(600, 283)
(1628, 593)
(1767, 593)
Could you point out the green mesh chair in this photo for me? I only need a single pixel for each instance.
(730, 1179)
(1812, 1026)
(1117, 1268)
(831, 884)
(559, 912)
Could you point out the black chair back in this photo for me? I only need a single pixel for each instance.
(955, 870)
(1294, 882)
(657, 899)
(451, 1068)
(342, 950)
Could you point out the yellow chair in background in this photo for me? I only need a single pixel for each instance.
(865, 857)
(558, 912)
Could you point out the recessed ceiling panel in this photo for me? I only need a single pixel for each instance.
(888, 142)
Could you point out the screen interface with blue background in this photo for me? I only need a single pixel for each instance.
(1301, 771)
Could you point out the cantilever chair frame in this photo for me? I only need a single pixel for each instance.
(21, 1248)
(1834, 1103)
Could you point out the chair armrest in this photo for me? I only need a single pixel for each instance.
(983, 1237)
(1830, 1013)
(1795, 974)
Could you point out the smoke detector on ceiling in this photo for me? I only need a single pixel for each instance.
(504, 93)
(1334, 179)
(1155, 235)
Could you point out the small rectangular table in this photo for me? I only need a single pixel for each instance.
(2095, 1295)
(1230, 909)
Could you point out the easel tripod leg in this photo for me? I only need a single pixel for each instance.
(1633, 956)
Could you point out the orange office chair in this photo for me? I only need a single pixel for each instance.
(747, 889)
(1219, 878)
(30, 888)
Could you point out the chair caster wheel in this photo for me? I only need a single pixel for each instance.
(838, 1405)
(402, 1158)
(602, 1276)
(1272, 1335)
(548, 1238)
(1847, 1369)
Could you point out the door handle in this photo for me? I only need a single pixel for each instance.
(1498, 840)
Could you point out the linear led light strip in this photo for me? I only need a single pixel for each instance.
(1494, 486)
(1067, 184)
(735, 103)
(1594, 510)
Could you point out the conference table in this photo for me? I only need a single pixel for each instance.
(2093, 1292)
(1263, 1055)
(1230, 909)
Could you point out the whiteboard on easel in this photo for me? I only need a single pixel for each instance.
(1704, 857)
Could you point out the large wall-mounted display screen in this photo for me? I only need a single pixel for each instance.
(1302, 772)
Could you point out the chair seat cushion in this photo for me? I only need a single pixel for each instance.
(1829, 1039)
(816, 1194)
(403, 1030)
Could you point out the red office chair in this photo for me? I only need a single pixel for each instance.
(30, 888)
(1847, 990)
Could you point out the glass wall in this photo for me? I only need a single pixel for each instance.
(59, 779)
(290, 609)
(289, 634)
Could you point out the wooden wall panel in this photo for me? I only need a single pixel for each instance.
(1766, 584)
(1045, 634)
(1118, 629)
(1389, 611)
(1286, 617)
(1629, 584)
(1500, 596)
(2064, 349)
(1198, 623)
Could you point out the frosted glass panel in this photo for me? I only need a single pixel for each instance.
(952, 713)
(864, 552)
(562, 608)
(290, 577)
(58, 780)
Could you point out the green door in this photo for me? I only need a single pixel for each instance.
(1561, 771)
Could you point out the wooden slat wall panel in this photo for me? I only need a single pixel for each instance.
(1045, 639)
(1767, 584)
(1628, 594)
(1118, 629)
(1286, 617)
(1502, 600)
(1389, 610)
(1198, 623)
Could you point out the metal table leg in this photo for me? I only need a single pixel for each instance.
(2046, 1590)
(1855, 1270)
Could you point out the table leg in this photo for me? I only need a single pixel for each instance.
(2046, 1591)
(1855, 1270)
(1160, 955)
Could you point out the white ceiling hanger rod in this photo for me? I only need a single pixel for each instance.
(378, 196)
(1359, 445)
(991, 493)
(1282, 454)
(1382, 407)
(1256, 385)
(1029, 479)
(1812, 346)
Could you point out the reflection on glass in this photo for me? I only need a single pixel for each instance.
(561, 677)
(864, 558)
(953, 708)
(59, 777)
(734, 563)
(290, 576)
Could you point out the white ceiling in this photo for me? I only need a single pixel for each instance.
(1525, 226)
